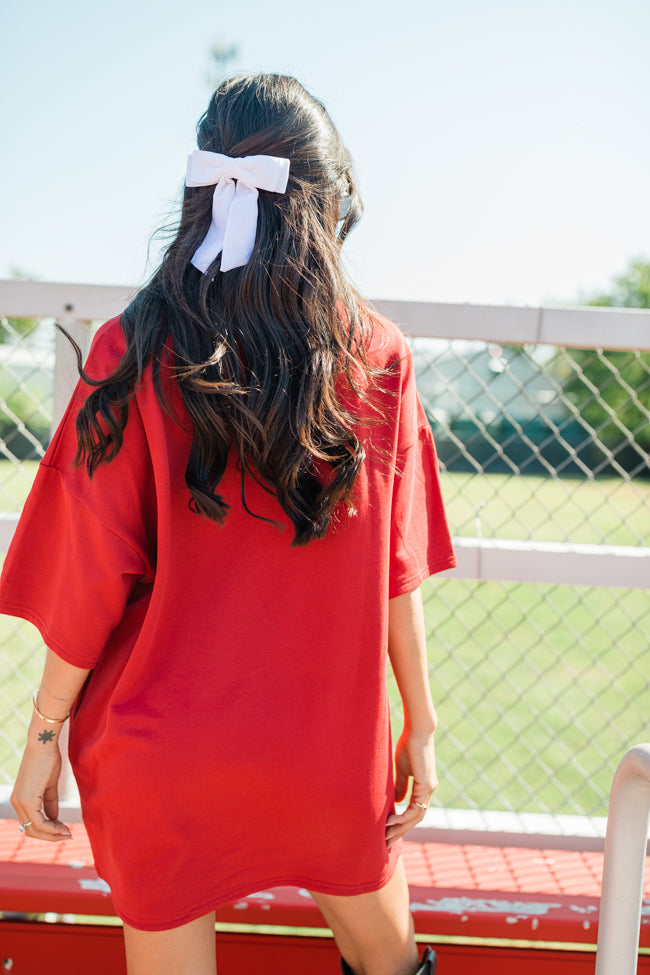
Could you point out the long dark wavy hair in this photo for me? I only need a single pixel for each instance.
(258, 351)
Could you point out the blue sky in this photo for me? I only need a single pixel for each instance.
(502, 148)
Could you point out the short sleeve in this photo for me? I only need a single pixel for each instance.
(419, 539)
(83, 547)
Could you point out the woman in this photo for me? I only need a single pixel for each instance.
(224, 540)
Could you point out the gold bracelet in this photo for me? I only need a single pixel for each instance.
(49, 720)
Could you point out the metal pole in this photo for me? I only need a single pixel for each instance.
(66, 375)
(65, 363)
(623, 868)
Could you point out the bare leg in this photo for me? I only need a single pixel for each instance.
(187, 950)
(374, 932)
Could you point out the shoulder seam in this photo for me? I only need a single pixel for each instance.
(82, 504)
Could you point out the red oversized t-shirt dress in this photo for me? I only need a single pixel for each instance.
(233, 734)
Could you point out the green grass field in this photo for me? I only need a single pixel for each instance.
(15, 482)
(605, 511)
(539, 689)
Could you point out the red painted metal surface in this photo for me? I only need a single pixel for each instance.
(461, 891)
(88, 950)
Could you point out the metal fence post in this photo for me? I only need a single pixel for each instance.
(65, 364)
(66, 375)
(623, 869)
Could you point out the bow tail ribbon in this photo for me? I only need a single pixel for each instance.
(241, 227)
(232, 228)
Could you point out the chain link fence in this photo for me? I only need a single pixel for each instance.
(26, 404)
(540, 686)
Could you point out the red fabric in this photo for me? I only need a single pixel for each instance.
(234, 732)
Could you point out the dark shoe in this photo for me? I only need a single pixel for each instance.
(427, 965)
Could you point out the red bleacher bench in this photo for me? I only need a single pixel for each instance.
(488, 903)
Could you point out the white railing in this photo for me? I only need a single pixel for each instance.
(556, 637)
(585, 327)
(619, 921)
(77, 305)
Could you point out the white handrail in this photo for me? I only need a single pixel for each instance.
(582, 326)
(623, 869)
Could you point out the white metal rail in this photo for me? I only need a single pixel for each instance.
(625, 850)
(583, 327)
(77, 305)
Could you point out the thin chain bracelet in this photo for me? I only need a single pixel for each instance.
(44, 717)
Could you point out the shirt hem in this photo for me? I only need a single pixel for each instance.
(242, 891)
(412, 581)
(28, 614)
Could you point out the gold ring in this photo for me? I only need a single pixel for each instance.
(422, 805)
(23, 826)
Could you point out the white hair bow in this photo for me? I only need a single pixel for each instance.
(234, 204)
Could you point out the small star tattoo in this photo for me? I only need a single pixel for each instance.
(46, 736)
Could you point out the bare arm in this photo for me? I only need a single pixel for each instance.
(415, 752)
(35, 796)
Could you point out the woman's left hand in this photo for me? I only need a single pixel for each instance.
(415, 757)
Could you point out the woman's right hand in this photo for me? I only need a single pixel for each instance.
(35, 796)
